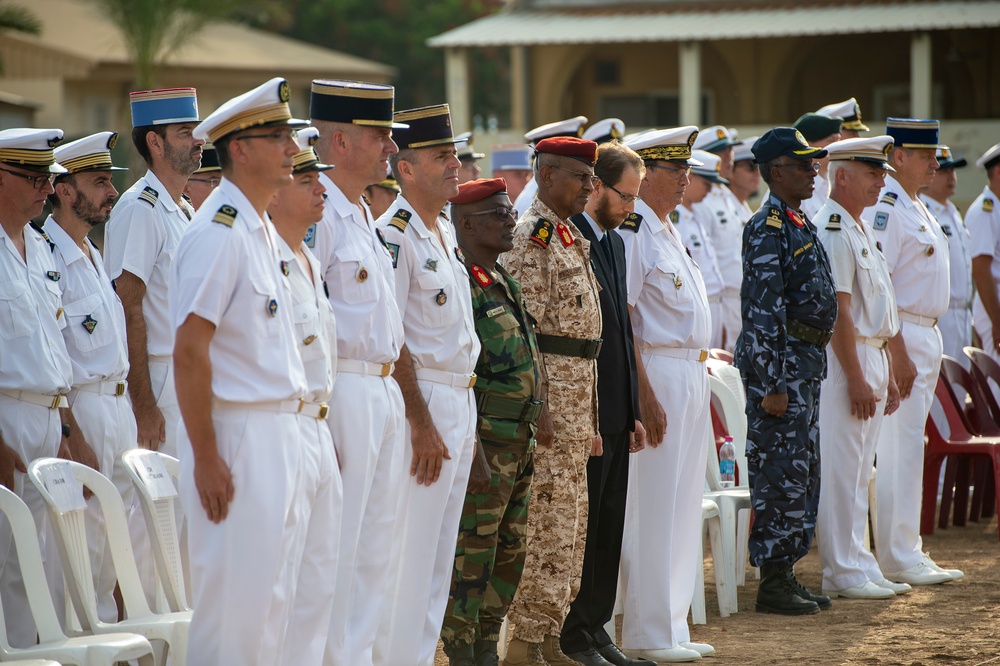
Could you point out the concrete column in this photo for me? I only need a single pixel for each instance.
(690, 77)
(456, 73)
(920, 75)
(519, 112)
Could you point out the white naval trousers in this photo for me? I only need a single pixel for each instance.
(732, 320)
(427, 534)
(108, 425)
(900, 458)
(715, 311)
(956, 332)
(241, 569)
(367, 423)
(663, 510)
(984, 327)
(847, 451)
(317, 519)
(34, 432)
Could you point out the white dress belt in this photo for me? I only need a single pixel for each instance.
(877, 343)
(920, 320)
(117, 389)
(365, 367)
(50, 401)
(700, 355)
(315, 410)
(447, 378)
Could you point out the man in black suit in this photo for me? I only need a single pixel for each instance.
(619, 170)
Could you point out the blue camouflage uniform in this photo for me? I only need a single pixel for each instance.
(788, 305)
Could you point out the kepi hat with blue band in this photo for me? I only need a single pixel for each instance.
(913, 133)
(164, 107)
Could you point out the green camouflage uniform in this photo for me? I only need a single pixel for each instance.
(489, 558)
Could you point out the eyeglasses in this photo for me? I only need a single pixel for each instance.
(805, 167)
(677, 172)
(37, 181)
(747, 164)
(583, 176)
(212, 182)
(626, 198)
(501, 212)
(283, 135)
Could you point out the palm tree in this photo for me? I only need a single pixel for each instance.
(18, 19)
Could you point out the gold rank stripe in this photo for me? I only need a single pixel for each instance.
(169, 93)
(675, 152)
(251, 118)
(24, 156)
(435, 142)
(418, 114)
(94, 161)
(352, 91)
(307, 157)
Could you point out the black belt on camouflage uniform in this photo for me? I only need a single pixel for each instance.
(581, 348)
(508, 408)
(815, 336)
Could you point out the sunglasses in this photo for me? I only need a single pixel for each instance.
(501, 213)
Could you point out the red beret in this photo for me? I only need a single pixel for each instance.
(477, 190)
(569, 146)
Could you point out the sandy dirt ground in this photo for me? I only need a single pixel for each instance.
(954, 623)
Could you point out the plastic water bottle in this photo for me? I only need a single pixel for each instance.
(727, 463)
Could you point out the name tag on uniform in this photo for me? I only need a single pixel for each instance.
(495, 311)
(802, 249)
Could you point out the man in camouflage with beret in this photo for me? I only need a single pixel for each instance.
(789, 306)
(491, 548)
(551, 259)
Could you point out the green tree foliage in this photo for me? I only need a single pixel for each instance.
(18, 19)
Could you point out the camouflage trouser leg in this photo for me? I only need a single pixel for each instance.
(783, 462)
(489, 558)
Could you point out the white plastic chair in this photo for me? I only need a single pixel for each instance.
(32, 662)
(734, 503)
(710, 519)
(52, 477)
(159, 507)
(105, 650)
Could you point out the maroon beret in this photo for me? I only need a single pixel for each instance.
(477, 190)
(569, 146)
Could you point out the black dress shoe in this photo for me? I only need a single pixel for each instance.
(589, 657)
(611, 653)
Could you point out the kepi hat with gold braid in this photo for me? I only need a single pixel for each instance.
(91, 153)
(353, 103)
(426, 127)
(307, 159)
(669, 145)
(264, 106)
(31, 149)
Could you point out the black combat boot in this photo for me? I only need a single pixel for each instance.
(460, 655)
(778, 594)
(822, 601)
(486, 653)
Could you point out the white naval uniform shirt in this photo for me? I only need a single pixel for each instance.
(821, 192)
(959, 249)
(915, 249)
(33, 356)
(689, 227)
(95, 320)
(665, 288)
(141, 238)
(860, 270)
(432, 292)
(230, 276)
(983, 222)
(312, 315)
(357, 268)
(524, 199)
(723, 222)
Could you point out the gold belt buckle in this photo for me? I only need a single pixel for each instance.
(119, 389)
(885, 343)
(386, 369)
(703, 356)
(56, 401)
(324, 409)
(472, 380)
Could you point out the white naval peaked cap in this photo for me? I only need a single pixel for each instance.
(91, 153)
(713, 138)
(991, 155)
(741, 151)
(463, 146)
(711, 167)
(872, 150)
(31, 149)
(568, 127)
(947, 159)
(850, 111)
(307, 159)
(264, 106)
(605, 130)
(672, 145)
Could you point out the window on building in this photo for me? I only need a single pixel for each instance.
(655, 109)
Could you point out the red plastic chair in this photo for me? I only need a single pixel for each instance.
(959, 442)
(984, 369)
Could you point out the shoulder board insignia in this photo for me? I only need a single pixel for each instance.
(226, 216)
(988, 205)
(394, 252)
(149, 195)
(542, 232)
(632, 222)
(481, 275)
(364, 197)
(310, 239)
(565, 235)
(773, 219)
(401, 219)
(674, 216)
(41, 232)
(834, 223)
(880, 222)
(889, 198)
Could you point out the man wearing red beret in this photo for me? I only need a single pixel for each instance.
(551, 259)
(509, 389)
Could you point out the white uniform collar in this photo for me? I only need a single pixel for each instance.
(71, 252)
(830, 207)
(234, 195)
(418, 224)
(161, 190)
(892, 185)
(338, 201)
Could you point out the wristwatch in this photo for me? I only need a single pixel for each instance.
(66, 430)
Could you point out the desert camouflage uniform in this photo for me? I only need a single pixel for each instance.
(551, 259)
(787, 278)
(491, 548)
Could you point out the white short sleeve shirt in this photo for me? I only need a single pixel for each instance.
(959, 249)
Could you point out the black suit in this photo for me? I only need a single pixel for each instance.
(607, 476)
